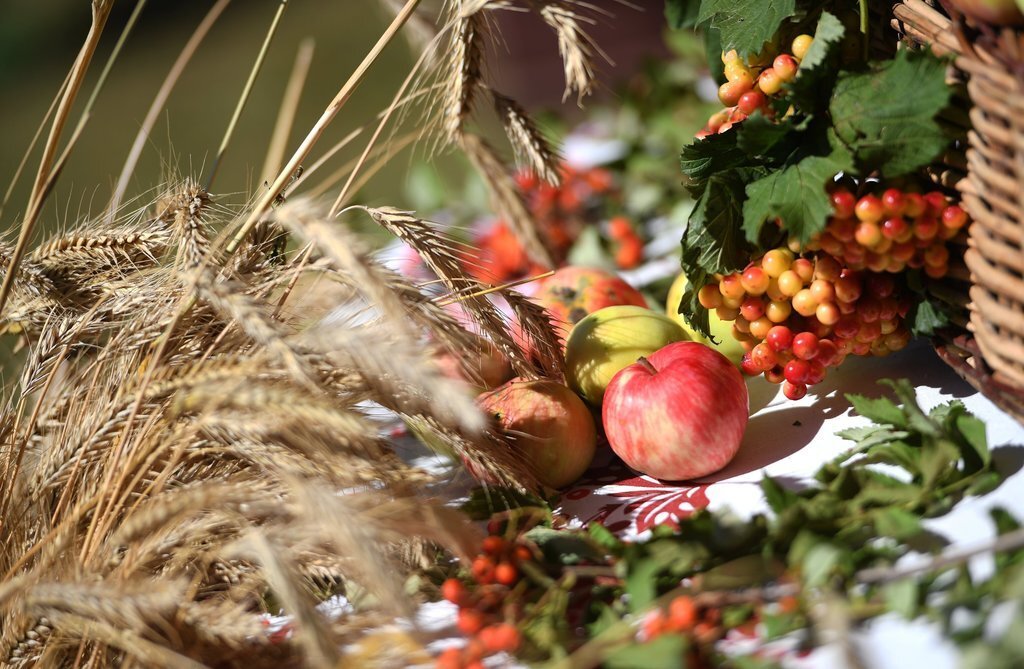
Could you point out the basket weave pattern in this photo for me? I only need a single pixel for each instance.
(994, 196)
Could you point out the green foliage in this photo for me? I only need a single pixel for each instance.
(745, 25)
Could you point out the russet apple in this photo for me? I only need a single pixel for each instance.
(548, 425)
(721, 330)
(608, 340)
(679, 414)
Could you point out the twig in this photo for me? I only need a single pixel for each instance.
(1005, 542)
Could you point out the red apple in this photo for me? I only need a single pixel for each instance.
(572, 293)
(486, 372)
(679, 414)
(548, 424)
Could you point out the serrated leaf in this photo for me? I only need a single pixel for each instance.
(745, 25)
(712, 155)
(689, 305)
(562, 547)
(665, 652)
(886, 116)
(796, 195)
(901, 597)
(713, 240)
(757, 136)
(897, 523)
(938, 457)
(816, 70)
(880, 410)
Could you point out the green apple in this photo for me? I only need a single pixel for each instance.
(610, 339)
(720, 330)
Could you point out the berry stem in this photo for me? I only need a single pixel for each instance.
(646, 364)
(864, 28)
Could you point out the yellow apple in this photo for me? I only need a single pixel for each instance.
(610, 339)
(720, 330)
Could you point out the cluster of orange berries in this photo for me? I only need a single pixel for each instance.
(748, 87)
(486, 612)
(798, 316)
(683, 616)
(627, 244)
(891, 232)
(561, 212)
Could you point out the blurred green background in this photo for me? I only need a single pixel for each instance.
(39, 41)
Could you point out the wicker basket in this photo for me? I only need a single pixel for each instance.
(988, 347)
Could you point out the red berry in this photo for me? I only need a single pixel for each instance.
(843, 230)
(827, 352)
(926, 227)
(630, 253)
(954, 217)
(893, 228)
(817, 373)
(796, 371)
(754, 281)
(805, 346)
(869, 208)
(654, 625)
(752, 308)
(880, 285)
(779, 338)
(763, 357)
(893, 202)
(776, 375)
(751, 101)
(522, 553)
(869, 309)
(843, 203)
(936, 202)
(914, 205)
(785, 66)
(794, 391)
(748, 366)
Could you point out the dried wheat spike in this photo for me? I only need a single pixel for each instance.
(531, 147)
(464, 73)
(184, 209)
(505, 197)
(536, 326)
(574, 44)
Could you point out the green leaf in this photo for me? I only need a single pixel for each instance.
(666, 652)
(817, 70)
(757, 136)
(778, 497)
(562, 547)
(603, 537)
(880, 410)
(712, 155)
(926, 318)
(886, 116)
(641, 584)
(745, 25)
(796, 195)
(938, 458)
(682, 13)
(972, 430)
(897, 523)
(713, 240)
(819, 563)
(485, 502)
(901, 597)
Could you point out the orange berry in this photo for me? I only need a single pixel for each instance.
(506, 573)
(630, 253)
(682, 613)
(454, 591)
(493, 545)
(450, 658)
(469, 621)
(620, 227)
(483, 570)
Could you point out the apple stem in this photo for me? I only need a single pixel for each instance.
(646, 364)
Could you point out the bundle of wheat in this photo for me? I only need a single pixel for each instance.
(175, 449)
